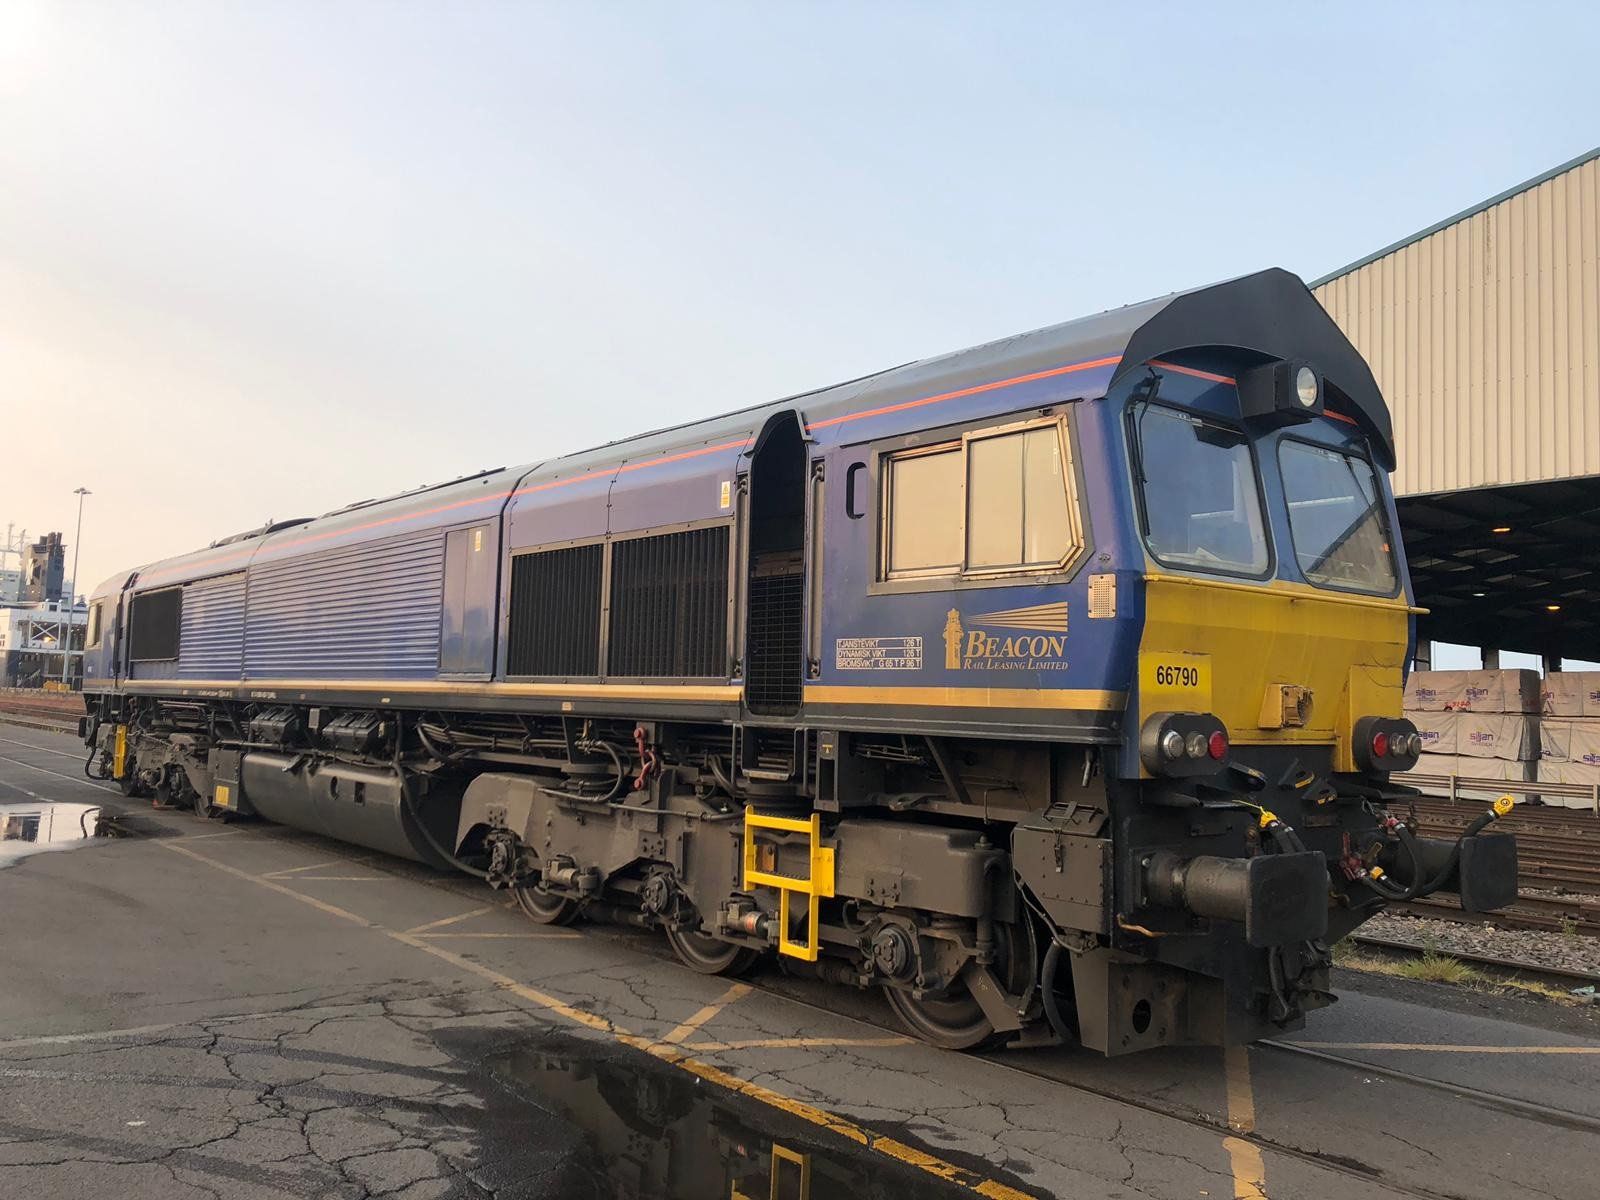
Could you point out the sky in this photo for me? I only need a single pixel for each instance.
(261, 260)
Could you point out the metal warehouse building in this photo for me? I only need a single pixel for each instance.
(1484, 334)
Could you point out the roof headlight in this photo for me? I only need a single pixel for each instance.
(1307, 387)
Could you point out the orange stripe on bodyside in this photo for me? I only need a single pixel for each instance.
(1194, 371)
(1328, 412)
(923, 402)
(317, 537)
(971, 391)
(637, 466)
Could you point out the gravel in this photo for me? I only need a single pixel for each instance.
(1560, 951)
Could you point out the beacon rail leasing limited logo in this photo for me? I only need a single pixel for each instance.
(1040, 646)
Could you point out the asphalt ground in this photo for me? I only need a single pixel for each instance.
(210, 1009)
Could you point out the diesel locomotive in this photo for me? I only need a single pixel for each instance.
(1052, 686)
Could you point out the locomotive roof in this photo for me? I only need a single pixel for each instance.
(1270, 314)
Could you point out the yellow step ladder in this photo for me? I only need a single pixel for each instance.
(817, 885)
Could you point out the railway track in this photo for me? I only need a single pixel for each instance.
(57, 709)
(1495, 968)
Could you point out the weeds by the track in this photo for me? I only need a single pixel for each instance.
(1435, 967)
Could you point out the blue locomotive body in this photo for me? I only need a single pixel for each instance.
(1081, 644)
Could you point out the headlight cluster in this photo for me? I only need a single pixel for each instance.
(1183, 744)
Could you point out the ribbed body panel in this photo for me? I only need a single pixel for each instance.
(211, 644)
(669, 605)
(555, 613)
(370, 611)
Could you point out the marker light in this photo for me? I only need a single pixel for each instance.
(1182, 745)
(1386, 744)
(1305, 387)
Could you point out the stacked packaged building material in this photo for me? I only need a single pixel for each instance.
(1476, 724)
(1569, 732)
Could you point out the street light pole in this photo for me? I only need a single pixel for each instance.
(72, 599)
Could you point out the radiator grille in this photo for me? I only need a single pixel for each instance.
(772, 676)
(153, 624)
(669, 605)
(555, 613)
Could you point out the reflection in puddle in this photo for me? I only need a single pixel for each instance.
(656, 1131)
(29, 828)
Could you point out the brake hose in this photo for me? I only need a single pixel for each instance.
(411, 806)
(1047, 993)
(1375, 878)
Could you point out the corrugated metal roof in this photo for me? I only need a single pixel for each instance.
(1484, 337)
(1463, 215)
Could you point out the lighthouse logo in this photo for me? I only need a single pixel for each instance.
(992, 645)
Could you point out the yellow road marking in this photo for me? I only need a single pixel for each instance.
(443, 921)
(787, 1043)
(332, 910)
(671, 1054)
(1244, 1157)
(552, 934)
(705, 1014)
(331, 862)
(1437, 1049)
(346, 878)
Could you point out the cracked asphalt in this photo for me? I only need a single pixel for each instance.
(238, 1010)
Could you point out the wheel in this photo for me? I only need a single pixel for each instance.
(955, 1020)
(709, 955)
(545, 907)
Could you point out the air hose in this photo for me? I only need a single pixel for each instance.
(1047, 993)
(410, 802)
(1375, 878)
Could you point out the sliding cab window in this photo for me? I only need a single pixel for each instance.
(1337, 519)
(1201, 498)
(96, 611)
(997, 502)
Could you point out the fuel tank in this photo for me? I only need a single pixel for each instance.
(349, 802)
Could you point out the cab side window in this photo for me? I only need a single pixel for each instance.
(924, 513)
(997, 502)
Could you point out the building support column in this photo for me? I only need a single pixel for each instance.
(1491, 659)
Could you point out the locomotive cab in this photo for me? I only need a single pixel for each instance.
(1264, 730)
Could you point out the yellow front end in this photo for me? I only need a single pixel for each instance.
(1276, 662)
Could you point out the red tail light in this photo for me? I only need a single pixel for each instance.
(1380, 744)
(1217, 745)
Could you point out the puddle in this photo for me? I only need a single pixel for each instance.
(46, 825)
(605, 1121)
